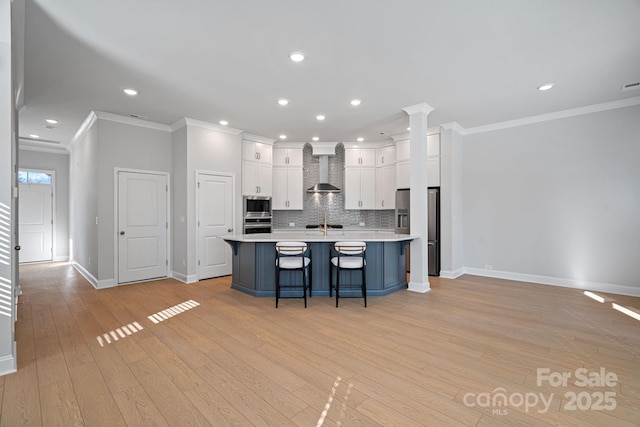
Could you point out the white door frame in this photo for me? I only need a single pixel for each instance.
(197, 210)
(53, 207)
(116, 189)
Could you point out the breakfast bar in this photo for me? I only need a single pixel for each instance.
(253, 265)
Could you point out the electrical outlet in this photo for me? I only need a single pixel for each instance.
(292, 224)
(89, 260)
(362, 224)
(488, 267)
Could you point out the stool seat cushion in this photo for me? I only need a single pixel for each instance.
(292, 262)
(349, 261)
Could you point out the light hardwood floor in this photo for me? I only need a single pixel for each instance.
(408, 359)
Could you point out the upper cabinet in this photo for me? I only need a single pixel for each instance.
(257, 152)
(287, 156)
(288, 178)
(359, 157)
(257, 158)
(403, 156)
(385, 156)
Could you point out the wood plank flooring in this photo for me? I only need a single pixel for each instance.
(94, 358)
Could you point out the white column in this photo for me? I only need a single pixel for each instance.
(419, 188)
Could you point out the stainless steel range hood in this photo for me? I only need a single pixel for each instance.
(324, 150)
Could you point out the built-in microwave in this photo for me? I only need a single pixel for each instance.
(257, 207)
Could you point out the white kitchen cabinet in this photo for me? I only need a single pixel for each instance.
(403, 175)
(385, 156)
(287, 188)
(386, 187)
(287, 157)
(360, 188)
(359, 157)
(256, 179)
(257, 152)
(403, 178)
(403, 150)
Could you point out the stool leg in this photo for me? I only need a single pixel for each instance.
(277, 285)
(338, 283)
(304, 285)
(364, 287)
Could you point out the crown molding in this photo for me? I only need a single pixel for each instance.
(418, 108)
(595, 108)
(186, 121)
(43, 147)
(288, 144)
(455, 126)
(132, 121)
(257, 138)
(83, 129)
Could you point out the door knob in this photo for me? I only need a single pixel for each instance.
(230, 230)
(122, 233)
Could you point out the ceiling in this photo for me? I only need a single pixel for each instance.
(474, 62)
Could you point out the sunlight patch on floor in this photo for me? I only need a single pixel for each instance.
(168, 313)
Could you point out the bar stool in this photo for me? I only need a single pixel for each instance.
(293, 256)
(349, 256)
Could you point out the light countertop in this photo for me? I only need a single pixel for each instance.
(318, 236)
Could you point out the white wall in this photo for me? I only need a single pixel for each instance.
(451, 204)
(129, 146)
(211, 151)
(8, 220)
(30, 159)
(83, 205)
(556, 201)
(179, 215)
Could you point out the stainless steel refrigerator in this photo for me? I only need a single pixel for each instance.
(403, 225)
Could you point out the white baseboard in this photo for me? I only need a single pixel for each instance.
(85, 274)
(179, 276)
(8, 364)
(106, 283)
(446, 274)
(419, 287)
(556, 281)
(183, 278)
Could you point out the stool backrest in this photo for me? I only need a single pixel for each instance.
(291, 248)
(350, 248)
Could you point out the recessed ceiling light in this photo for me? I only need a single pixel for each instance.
(545, 86)
(224, 122)
(355, 102)
(283, 136)
(33, 135)
(283, 101)
(408, 128)
(51, 121)
(130, 92)
(320, 117)
(360, 139)
(315, 138)
(296, 56)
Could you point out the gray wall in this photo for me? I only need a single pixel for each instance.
(29, 159)
(179, 214)
(123, 145)
(83, 195)
(559, 199)
(208, 150)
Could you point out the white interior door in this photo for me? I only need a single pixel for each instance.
(215, 220)
(142, 226)
(36, 222)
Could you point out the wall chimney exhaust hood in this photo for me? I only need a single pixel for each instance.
(324, 150)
